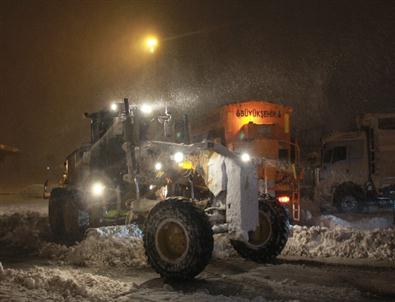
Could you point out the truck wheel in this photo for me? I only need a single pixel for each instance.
(55, 212)
(269, 239)
(348, 198)
(178, 239)
(75, 220)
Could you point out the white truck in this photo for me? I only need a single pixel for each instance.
(358, 168)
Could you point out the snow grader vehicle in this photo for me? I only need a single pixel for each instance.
(140, 167)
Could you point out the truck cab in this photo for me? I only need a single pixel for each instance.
(358, 167)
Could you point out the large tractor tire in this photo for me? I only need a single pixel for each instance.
(178, 239)
(269, 239)
(55, 212)
(67, 220)
(348, 198)
(75, 219)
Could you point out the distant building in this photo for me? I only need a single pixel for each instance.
(7, 150)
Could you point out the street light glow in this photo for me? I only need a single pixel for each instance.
(151, 43)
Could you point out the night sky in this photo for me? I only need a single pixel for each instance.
(330, 60)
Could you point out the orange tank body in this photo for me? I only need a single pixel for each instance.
(261, 129)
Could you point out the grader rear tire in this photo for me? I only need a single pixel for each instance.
(67, 220)
(178, 239)
(269, 239)
(55, 213)
(76, 221)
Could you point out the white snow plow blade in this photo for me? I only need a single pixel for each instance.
(239, 180)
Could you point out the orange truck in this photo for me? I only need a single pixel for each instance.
(261, 130)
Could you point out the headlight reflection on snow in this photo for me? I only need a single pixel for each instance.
(130, 230)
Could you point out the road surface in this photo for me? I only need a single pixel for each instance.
(32, 278)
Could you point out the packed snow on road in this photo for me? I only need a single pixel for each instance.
(110, 265)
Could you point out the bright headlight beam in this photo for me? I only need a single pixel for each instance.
(245, 157)
(114, 107)
(178, 157)
(97, 189)
(146, 109)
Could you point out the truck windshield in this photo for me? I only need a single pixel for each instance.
(335, 154)
(327, 156)
(339, 153)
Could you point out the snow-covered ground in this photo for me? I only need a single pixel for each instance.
(110, 265)
(16, 203)
(57, 284)
(122, 246)
(357, 221)
(316, 241)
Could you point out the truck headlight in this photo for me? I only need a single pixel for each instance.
(97, 189)
(158, 166)
(245, 157)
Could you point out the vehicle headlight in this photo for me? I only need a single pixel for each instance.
(178, 157)
(158, 166)
(146, 109)
(245, 157)
(97, 189)
(114, 107)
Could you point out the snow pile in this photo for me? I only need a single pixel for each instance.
(222, 247)
(22, 233)
(316, 241)
(341, 242)
(169, 294)
(40, 283)
(29, 234)
(111, 246)
(122, 246)
(102, 247)
(53, 284)
(365, 223)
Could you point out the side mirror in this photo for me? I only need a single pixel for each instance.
(46, 194)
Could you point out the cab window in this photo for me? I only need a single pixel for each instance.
(335, 154)
(339, 154)
(328, 156)
(387, 123)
